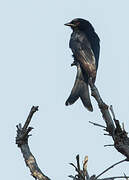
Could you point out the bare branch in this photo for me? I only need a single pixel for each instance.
(82, 173)
(115, 177)
(22, 142)
(73, 177)
(108, 145)
(103, 107)
(78, 163)
(106, 134)
(95, 124)
(126, 176)
(110, 168)
(119, 135)
(32, 111)
(85, 167)
(80, 176)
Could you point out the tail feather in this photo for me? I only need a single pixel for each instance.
(85, 97)
(80, 89)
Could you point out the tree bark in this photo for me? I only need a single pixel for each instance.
(22, 142)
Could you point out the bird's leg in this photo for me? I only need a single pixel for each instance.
(75, 62)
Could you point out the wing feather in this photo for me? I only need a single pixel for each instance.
(82, 51)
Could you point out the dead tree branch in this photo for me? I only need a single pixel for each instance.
(96, 124)
(82, 174)
(115, 177)
(22, 142)
(119, 135)
(113, 129)
(110, 168)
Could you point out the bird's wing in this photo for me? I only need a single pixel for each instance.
(83, 53)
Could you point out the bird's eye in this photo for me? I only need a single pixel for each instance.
(76, 23)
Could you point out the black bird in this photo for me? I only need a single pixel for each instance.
(85, 45)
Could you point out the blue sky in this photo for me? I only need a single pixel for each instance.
(35, 70)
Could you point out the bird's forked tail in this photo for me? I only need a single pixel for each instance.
(80, 89)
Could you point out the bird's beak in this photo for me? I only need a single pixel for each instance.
(70, 24)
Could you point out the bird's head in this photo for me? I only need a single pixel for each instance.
(80, 24)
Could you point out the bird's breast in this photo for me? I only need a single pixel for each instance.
(76, 40)
(77, 36)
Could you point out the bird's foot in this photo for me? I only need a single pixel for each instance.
(75, 63)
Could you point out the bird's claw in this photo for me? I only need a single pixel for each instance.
(74, 63)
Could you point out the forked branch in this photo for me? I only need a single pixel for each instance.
(119, 135)
(22, 142)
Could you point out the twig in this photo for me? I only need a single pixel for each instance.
(115, 177)
(85, 168)
(79, 172)
(32, 111)
(73, 177)
(108, 145)
(110, 168)
(125, 176)
(95, 124)
(78, 163)
(106, 134)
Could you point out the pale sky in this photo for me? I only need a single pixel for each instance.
(35, 70)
